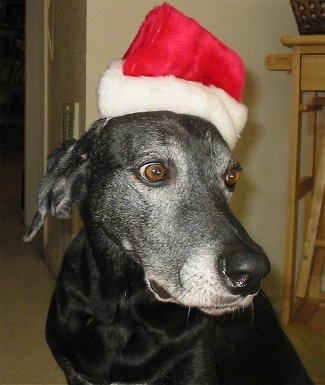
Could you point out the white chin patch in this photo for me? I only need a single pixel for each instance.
(229, 308)
(220, 305)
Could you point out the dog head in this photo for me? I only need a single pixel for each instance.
(159, 184)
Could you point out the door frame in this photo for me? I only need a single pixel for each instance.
(35, 102)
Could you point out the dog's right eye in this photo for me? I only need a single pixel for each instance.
(232, 177)
(153, 172)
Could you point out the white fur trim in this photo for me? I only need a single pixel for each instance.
(121, 95)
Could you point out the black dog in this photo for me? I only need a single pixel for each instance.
(162, 285)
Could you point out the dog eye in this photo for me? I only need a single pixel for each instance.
(232, 176)
(153, 172)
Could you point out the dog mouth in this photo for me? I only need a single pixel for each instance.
(161, 293)
(227, 307)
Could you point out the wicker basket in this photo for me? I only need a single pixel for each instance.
(310, 16)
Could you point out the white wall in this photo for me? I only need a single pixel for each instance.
(253, 28)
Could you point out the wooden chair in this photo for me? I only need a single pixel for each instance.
(303, 300)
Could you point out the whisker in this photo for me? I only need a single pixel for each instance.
(188, 316)
(252, 313)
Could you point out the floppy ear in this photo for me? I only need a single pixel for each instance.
(65, 179)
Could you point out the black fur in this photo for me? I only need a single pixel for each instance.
(162, 285)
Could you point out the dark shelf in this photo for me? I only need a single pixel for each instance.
(12, 27)
(11, 84)
(12, 72)
(12, 110)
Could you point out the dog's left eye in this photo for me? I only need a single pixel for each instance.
(153, 172)
(232, 177)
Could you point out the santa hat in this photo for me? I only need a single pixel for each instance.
(175, 64)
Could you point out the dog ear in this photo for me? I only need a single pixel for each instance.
(65, 180)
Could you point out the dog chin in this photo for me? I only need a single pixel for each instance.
(162, 295)
(238, 305)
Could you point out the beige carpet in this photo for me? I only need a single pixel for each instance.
(25, 290)
(310, 346)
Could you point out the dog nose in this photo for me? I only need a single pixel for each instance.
(244, 271)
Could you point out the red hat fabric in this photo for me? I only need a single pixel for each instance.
(170, 43)
(175, 64)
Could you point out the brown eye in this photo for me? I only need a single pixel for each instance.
(153, 172)
(232, 177)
